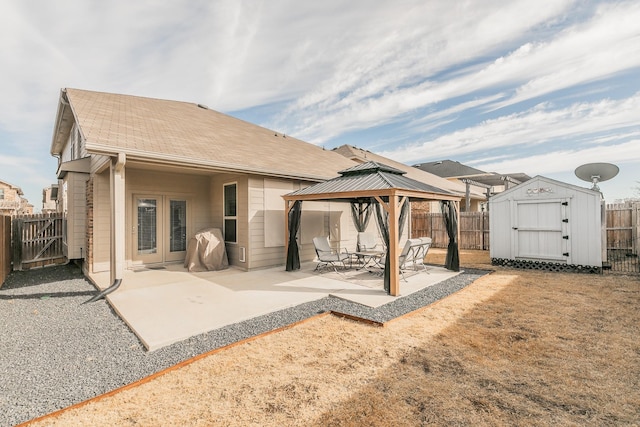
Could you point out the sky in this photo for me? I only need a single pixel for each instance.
(521, 86)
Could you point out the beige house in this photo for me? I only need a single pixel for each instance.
(12, 202)
(50, 199)
(138, 177)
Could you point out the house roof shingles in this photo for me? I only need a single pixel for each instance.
(185, 133)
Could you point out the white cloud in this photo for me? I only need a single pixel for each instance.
(563, 160)
(376, 88)
(338, 66)
(536, 126)
(389, 72)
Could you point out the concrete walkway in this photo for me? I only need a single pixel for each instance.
(163, 306)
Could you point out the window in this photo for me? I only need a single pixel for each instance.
(178, 224)
(1, 193)
(147, 227)
(230, 213)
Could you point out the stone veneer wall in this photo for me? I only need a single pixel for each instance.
(89, 254)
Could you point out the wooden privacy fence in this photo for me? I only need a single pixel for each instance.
(5, 247)
(623, 229)
(474, 229)
(38, 240)
(623, 237)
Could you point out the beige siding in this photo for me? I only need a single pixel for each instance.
(318, 218)
(99, 163)
(265, 203)
(76, 211)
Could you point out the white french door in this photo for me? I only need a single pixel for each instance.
(159, 228)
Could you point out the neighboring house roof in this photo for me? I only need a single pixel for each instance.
(14, 187)
(452, 169)
(499, 179)
(186, 134)
(370, 176)
(449, 169)
(360, 155)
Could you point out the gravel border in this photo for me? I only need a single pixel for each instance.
(57, 351)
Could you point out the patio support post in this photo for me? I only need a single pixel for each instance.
(457, 205)
(288, 204)
(467, 195)
(393, 245)
(118, 231)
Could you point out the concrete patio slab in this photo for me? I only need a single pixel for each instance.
(164, 306)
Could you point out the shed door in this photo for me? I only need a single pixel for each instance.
(539, 230)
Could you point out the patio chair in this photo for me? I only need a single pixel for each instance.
(327, 256)
(367, 242)
(405, 255)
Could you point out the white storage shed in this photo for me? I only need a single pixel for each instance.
(548, 225)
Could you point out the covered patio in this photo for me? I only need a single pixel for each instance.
(170, 304)
(370, 185)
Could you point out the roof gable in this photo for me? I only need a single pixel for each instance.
(537, 182)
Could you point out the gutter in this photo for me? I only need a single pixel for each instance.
(173, 160)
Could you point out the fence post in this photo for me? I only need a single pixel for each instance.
(16, 242)
(635, 227)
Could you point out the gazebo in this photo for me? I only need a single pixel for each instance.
(365, 186)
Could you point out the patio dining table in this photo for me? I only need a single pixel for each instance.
(369, 258)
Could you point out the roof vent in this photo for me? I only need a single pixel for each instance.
(204, 107)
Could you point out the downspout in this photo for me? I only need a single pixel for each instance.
(118, 167)
(105, 292)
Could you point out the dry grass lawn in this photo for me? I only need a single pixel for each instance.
(514, 348)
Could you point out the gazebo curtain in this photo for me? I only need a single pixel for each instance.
(361, 213)
(450, 217)
(383, 224)
(293, 254)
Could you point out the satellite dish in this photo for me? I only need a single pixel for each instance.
(596, 172)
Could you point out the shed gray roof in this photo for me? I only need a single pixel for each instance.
(368, 177)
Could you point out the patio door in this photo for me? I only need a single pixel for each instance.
(160, 229)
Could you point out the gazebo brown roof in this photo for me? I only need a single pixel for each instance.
(371, 180)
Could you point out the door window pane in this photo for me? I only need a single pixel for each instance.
(178, 224)
(147, 226)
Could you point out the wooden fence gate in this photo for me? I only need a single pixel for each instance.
(38, 240)
(623, 237)
(5, 247)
